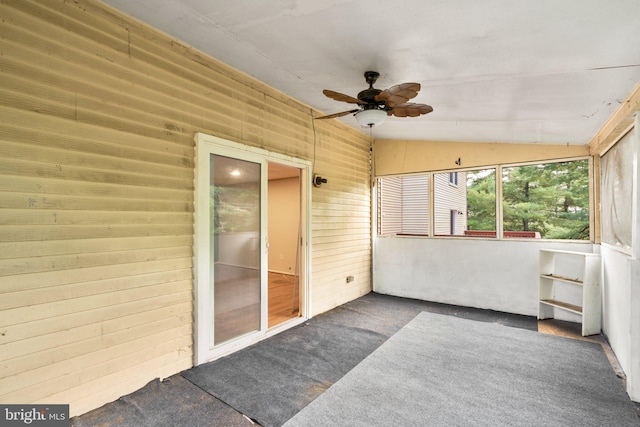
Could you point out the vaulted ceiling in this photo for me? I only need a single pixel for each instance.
(543, 71)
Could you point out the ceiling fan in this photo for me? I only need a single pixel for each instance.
(375, 104)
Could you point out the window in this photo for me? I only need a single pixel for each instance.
(540, 201)
(548, 201)
(481, 203)
(467, 208)
(403, 205)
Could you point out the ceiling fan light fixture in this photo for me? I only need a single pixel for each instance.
(371, 117)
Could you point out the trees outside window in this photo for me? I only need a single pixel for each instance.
(481, 202)
(541, 201)
(551, 199)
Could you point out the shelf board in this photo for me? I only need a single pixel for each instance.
(562, 279)
(554, 251)
(563, 305)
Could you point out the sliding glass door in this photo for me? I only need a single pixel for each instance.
(234, 226)
(231, 267)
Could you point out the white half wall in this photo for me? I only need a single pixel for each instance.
(499, 275)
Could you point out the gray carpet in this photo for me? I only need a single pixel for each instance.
(447, 371)
(274, 379)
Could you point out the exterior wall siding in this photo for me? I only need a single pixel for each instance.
(403, 205)
(415, 204)
(449, 197)
(390, 206)
(96, 197)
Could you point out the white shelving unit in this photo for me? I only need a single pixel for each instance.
(560, 269)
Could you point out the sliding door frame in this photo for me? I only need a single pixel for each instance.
(204, 350)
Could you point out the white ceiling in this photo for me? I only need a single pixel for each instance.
(547, 71)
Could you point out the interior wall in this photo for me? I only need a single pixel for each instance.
(99, 114)
(241, 249)
(284, 223)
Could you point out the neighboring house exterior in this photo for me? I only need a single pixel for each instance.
(404, 204)
(450, 203)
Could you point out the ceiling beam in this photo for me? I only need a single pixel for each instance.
(617, 125)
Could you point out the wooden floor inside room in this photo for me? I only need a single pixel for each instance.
(566, 329)
(284, 297)
(238, 300)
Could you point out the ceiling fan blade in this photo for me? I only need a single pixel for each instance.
(410, 109)
(337, 96)
(398, 94)
(333, 116)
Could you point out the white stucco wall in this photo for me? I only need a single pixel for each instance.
(482, 273)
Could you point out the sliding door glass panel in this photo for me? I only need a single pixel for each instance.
(235, 247)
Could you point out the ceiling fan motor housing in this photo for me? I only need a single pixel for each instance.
(368, 96)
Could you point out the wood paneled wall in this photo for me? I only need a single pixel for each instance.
(98, 114)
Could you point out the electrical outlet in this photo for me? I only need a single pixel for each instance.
(349, 279)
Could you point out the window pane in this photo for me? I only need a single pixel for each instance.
(465, 203)
(235, 244)
(403, 205)
(548, 201)
(481, 203)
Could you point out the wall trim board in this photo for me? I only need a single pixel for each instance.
(618, 124)
(404, 156)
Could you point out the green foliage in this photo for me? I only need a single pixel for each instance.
(481, 200)
(235, 208)
(551, 198)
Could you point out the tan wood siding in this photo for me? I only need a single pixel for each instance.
(96, 197)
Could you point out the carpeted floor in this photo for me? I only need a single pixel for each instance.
(445, 371)
(275, 379)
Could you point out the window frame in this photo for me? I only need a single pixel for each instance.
(499, 200)
(453, 178)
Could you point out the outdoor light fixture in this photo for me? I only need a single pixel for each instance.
(318, 180)
(371, 117)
